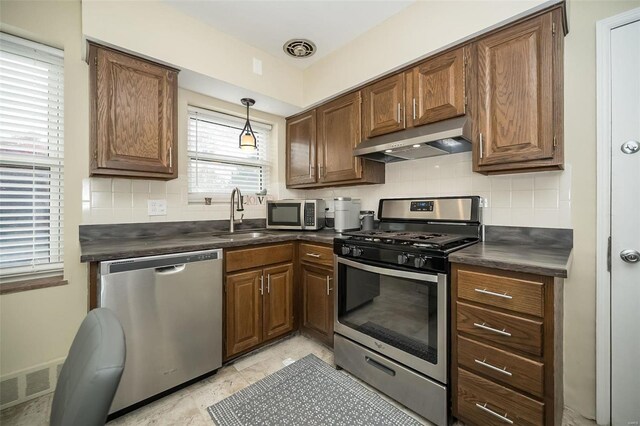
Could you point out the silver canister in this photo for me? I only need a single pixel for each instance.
(366, 220)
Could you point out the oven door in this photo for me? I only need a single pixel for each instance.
(285, 214)
(398, 313)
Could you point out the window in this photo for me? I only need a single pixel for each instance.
(216, 163)
(31, 159)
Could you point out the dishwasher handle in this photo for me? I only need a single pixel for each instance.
(168, 270)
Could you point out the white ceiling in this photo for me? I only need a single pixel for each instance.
(268, 24)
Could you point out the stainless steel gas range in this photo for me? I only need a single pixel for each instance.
(392, 298)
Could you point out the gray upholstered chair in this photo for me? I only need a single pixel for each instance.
(91, 373)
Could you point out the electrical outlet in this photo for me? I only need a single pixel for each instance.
(157, 207)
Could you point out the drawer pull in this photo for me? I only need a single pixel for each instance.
(493, 413)
(493, 367)
(491, 293)
(379, 366)
(484, 326)
(313, 255)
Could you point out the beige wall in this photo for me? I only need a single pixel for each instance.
(580, 149)
(416, 31)
(393, 42)
(106, 200)
(38, 326)
(155, 29)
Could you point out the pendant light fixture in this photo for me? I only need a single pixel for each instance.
(248, 141)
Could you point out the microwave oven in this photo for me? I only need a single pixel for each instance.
(301, 215)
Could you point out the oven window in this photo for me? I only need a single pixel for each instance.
(398, 311)
(284, 214)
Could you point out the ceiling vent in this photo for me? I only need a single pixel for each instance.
(299, 48)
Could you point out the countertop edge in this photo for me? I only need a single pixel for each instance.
(270, 239)
(548, 270)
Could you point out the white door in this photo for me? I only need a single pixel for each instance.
(625, 225)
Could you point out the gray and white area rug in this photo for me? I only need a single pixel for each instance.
(307, 392)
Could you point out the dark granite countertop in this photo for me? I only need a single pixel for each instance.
(96, 250)
(532, 250)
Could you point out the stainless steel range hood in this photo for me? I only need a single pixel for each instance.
(445, 137)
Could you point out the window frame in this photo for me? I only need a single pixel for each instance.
(35, 274)
(265, 164)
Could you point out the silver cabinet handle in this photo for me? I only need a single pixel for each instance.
(313, 255)
(483, 326)
(481, 145)
(493, 367)
(491, 293)
(414, 108)
(328, 288)
(399, 121)
(170, 156)
(269, 283)
(493, 413)
(261, 285)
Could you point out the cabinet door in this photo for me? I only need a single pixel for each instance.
(278, 300)
(244, 311)
(133, 116)
(317, 301)
(383, 106)
(438, 89)
(514, 102)
(338, 135)
(301, 149)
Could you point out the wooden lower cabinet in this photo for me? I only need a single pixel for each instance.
(244, 311)
(317, 301)
(259, 307)
(278, 301)
(506, 347)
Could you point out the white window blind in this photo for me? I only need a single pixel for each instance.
(216, 163)
(31, 159)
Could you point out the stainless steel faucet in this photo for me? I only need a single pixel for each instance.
(240, 207)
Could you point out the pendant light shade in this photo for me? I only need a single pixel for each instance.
(248, 141)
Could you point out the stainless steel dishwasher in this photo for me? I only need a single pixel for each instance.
(170, 307)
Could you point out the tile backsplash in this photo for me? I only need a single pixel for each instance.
(117, 200)
(541, 199)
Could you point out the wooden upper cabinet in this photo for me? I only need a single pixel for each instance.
(383, 106)
(436, 89)
(338, 135)
(301, 149)
(133, 116)
(518, 104)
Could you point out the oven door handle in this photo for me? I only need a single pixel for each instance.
(389, 272)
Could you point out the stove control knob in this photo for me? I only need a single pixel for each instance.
(402, 259)
(346, 250)
(357, 251)
(419, 262)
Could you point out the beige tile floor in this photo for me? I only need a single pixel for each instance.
(188, 406)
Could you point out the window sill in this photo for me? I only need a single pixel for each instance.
(26, 285)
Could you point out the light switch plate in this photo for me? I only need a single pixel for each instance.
(157, 207)
(257, 66)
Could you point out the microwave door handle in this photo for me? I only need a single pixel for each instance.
(302, 210)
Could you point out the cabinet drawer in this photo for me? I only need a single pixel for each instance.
(518, 295)
(321, 255)
(237, 260)
(509, 330)
(483, 402)
(505, 367)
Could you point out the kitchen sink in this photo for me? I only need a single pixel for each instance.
(237, 236)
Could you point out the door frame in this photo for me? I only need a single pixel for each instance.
(603, 209)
